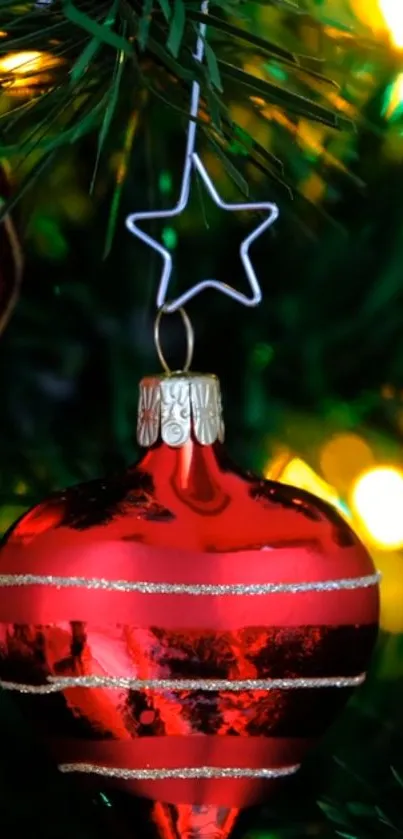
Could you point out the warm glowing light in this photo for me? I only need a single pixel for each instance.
(277, 464)
(377, 498)
(369, 13)
(381, 16)
(297, 473)
(21, 62)
(390, 566)
(343, 459)
(392, 12)
(21, 69)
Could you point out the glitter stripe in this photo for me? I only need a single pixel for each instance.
(182, 774)
(207, 684)
(60, 684)
(346, 584)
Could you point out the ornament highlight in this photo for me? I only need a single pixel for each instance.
(184, 632)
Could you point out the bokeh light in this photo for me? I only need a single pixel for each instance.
(392, 12)
(390, 565)
(169, 238)
(343, 458)
(165, 183)
(21, 62)
(21, 69)
(297, 473)
(377, 499)
(381, 16)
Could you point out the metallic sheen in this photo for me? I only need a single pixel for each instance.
(184, 520)
(185, 773)
(347, 584)
(210, 685)
(189, 341)
(178, 406)
(193, 163)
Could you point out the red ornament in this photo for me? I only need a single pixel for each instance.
(11, 260)
(185, 631)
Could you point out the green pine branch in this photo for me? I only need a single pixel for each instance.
(109, 54)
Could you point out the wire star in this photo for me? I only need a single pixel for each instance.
(193, 162)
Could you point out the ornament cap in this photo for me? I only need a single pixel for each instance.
(178, 407)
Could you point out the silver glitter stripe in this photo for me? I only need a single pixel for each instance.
(59, 684)
(179, 588)
(183, 774)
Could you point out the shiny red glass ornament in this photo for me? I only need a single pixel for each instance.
(184, 631)
(11, 260)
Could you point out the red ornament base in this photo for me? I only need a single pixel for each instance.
(185, 631)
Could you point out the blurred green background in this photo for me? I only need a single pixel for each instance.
(312, 379)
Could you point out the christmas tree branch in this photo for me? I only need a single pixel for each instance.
(95, 59)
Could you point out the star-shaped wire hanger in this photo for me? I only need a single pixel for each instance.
(193, 162)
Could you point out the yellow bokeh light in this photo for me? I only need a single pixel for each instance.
(377, 498)
(343, 458)
(381, 16)
(392, 12)
(21, 62)
(22, 69)
(390, 566)
(297, 473)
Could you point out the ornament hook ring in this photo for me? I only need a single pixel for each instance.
(189, 338)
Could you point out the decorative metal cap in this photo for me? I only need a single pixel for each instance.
(180, 406)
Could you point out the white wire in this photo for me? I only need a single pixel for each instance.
(192, 161)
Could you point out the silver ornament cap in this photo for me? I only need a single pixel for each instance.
(178, 407)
